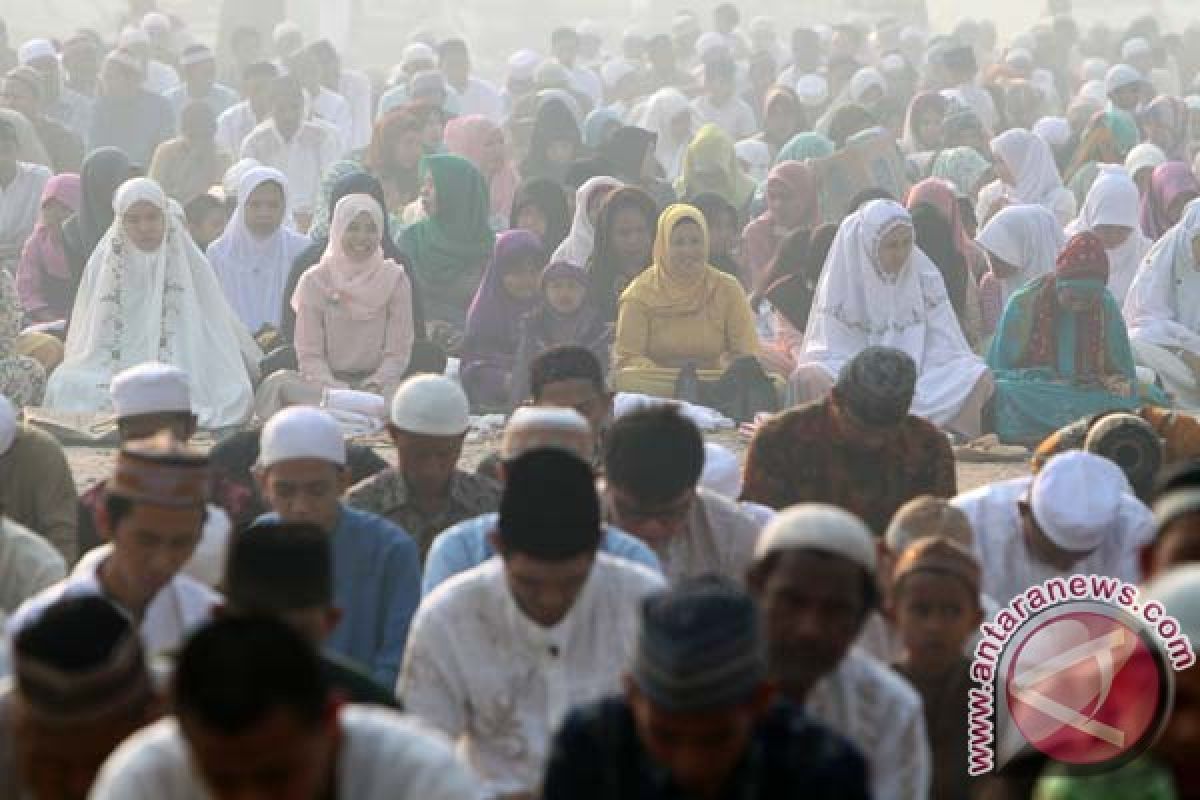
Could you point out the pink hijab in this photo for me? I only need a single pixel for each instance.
(467, 137)
(763, 235)
(44, 248)
(362, 288)
(941, 195)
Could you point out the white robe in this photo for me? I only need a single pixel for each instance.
(1163, 309)
(164, 306)
(577, 248)
(1038, 182)
(1113, 200)
(254, 272)
(857, 306)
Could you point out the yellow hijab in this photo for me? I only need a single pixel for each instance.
(657, 288)
(711, 165)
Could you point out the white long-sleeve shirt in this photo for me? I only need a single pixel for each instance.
(303, 160)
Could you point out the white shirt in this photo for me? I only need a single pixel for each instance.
(179, 607)
(736, 118)
(719, 538)
(481, 671)
(332, 108)
(383, 756)
(303, 160)
(587, 82)
(355, 87)
(160, 77)
(19, 204)
(234, 125)
(879, 712)
(481, 97)
(28, 564)
(1008, 566)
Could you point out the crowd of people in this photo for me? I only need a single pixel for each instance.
(871, 244)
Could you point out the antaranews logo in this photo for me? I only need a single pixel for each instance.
(1077, 668)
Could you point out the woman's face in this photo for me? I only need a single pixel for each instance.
(361, 239)
(929, 130)
(209, 228)
(145, 225)
(895, 248)
(561, 151)
(681, 127)
(531, 218)
(264, 209)
(687, 252)
(406, 148)
(784, 204)
(55, 213)
(521, 280)
(429, 195)
(565, 295)
(632, 239)
(1175, 210)
(491, 157)
(1077, 299)
(1113, 236)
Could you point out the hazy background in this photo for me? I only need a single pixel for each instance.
(497, 27)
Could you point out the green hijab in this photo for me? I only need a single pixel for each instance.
(804, 146)
(456, 238)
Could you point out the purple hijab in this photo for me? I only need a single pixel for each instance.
(494, 318)
(1168, 182)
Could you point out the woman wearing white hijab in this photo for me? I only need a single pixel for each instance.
(253, 257)
(1029, 175)
(669, 116)
(148, 294)
(878, 289)
(1163, 310)
(1111, 212)
(577, 248)
(1022, 243)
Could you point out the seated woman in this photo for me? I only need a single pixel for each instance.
(1107, 139)
(481, 141)
(393, 156)
(1061, 351)
(631, 151)
(877, 289)
(623, 250)
(253, 257)
(508, 292)
(542, 206)
(1163, 310)
(148, 294)
(680, 312)
(354, 325)
(556, 141)
(791, 197)
(711, 165)
(449, 248)
(1028, 174)
(1111, 212)
(581, 239)
(562, 317)
(43, 276)
(1021, 243)
(1172, 186)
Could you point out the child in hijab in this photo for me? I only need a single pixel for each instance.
(562, 317)
(206, 218)
(508, 292)
(43, 277)
(555, 143)
(541, 206)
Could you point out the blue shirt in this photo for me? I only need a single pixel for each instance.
(465, 546)
(377, 586)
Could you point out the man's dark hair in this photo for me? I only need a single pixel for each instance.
(236, 671)
(566, 363)
(655, 454)
(1185, 475)
(452, 45)
(260, 69)
(276, 567)
(76, 634)
(550, 510)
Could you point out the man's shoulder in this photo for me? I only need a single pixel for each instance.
(475, 491)
(393, 755)
(151, 763)
(382, 530)
(32, 442)
(802, 746)
(380, 493)
(727, 516)
(30, 549)
(870, 678)
(626, 577)
(810, 419)
(479, 587)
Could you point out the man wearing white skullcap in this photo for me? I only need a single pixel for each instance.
(301, 473)
(36, 487)
(198, 66)
(60, 103)
(1124, 86)
(148, 399)
(426, 492)
(467, 544)
(814, 578)
(1077, 515)
(237, 121)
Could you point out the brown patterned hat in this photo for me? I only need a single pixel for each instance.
(161, 470)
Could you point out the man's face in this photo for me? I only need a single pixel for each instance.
(455, 65)
(935, 613)
(18, 96)
(545, 591)
(152, 543)
(566, 49)
(200, 77)
(427, 462)
(304, 490)
(813, 607)
(288, 112)
(81, 60)
(653, 523)
(700, 750)
(119, 80)
(278, 758)
(1041, 547)
(58, 764)
(580, 394)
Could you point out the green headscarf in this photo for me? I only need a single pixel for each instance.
(804, 146)
(963, 167)
(456, 239)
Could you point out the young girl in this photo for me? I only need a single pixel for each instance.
(508, 292)
(43, 277)
(562, 317)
